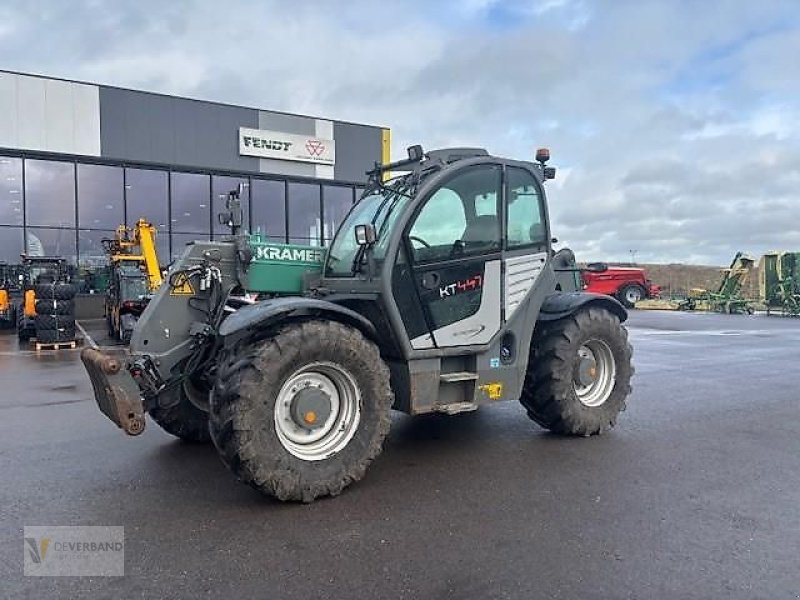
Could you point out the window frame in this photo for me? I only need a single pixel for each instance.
(542, 210)
(500, 202)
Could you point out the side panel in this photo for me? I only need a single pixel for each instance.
(521, 275)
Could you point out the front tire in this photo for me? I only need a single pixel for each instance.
(579, 373)
(302, 413)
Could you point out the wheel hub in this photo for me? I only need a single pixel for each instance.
(317, 411)
(595, 373)
(587, 371)
(311, 407)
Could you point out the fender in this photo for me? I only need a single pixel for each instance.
(558, 306)
(268, 312)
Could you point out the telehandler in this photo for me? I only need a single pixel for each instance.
(440, 293)
(135, 274)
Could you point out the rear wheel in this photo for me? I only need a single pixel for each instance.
(629, 295)
(302, 413)
(579, 373)
(178, 415)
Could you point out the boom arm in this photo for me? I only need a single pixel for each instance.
(145, 234)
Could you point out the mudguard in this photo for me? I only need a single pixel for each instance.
(558, 306)
(269, 312)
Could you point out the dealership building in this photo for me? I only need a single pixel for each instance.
(78, 159)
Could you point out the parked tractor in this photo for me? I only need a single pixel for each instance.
(440, 293)
(629, 285)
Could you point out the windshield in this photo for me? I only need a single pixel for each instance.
(381, 207)
(133, 288)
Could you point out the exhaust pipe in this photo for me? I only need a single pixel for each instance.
(115, 390)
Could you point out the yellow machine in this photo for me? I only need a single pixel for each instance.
(141, 237)
(135, 276)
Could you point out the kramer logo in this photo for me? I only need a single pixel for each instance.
(289, 254)
(37, 548)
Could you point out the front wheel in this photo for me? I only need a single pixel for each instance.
(301, 414)
(579, 373)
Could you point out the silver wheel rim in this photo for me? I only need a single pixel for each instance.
(308, 438)
(595, 373)
(633, 295)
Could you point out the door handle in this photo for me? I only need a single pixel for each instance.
(430, 280)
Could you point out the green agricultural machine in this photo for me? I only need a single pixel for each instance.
(779, 282)
(728, 297)
(440, 293)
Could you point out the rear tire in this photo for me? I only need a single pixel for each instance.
(52, 336)
(579, 373)
(630, 294)
(264, 386)
(55, 307)
(53, 322)
(180, 417)
(55, 291)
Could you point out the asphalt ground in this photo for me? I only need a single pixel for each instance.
(695, 494)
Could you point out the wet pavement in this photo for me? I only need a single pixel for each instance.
(695, 494)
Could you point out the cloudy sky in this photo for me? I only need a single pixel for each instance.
(675, 124)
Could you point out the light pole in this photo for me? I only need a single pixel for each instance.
(633, 256)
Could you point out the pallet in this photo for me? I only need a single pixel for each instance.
(65, 345)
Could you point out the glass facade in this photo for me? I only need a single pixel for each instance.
(67, 207)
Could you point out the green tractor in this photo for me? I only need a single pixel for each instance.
(440, 293)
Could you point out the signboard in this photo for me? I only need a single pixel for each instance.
(286, 146)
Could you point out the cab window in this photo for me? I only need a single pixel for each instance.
(524, 222)
(460, 218)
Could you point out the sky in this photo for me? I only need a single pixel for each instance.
(674, 124)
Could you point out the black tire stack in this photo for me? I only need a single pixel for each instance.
(55, 313)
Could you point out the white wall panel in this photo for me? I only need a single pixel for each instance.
(30, 113)
(45, 114)
(324, 130)
(9, 132)
(59, 118)
(86, 118)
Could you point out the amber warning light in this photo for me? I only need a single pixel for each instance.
(542, 156)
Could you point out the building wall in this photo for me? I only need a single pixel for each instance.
(49, 115)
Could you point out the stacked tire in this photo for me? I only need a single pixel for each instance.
(55, 313)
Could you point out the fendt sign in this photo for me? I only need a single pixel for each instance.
(286, 146)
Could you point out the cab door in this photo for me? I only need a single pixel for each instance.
(453, 249)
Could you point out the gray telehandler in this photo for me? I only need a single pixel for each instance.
(440, 293)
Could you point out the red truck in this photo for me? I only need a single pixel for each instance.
(626, 284)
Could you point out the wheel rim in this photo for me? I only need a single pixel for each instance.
(317, 411)
(595, 373)
(633, 295)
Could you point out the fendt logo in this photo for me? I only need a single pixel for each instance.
(315, 147)
(257, 142)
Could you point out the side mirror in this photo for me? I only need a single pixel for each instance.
(549, 173)
(365, 234)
